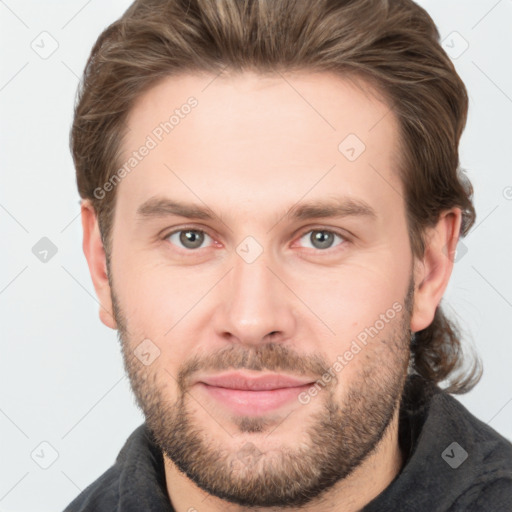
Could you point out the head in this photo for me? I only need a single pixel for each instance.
(274, 186)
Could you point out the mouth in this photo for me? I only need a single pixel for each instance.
(252, 395)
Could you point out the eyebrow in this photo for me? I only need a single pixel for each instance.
(157, 207)
(160, 207)
(340, 207)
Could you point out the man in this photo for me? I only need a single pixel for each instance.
(271, 204)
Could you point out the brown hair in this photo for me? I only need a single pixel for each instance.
(393, 44)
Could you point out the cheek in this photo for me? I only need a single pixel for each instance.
(162, 304)
(360, 303)
(353, 295)
(154, 290)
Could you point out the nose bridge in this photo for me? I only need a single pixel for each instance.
(256, 303)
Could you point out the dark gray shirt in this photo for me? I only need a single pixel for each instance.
(453, 463)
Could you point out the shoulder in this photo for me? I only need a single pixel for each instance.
(491, 493)
(458, 462)
(488, 473)
(490, 449)
(104, 493)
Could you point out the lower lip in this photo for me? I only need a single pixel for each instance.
(254, 403)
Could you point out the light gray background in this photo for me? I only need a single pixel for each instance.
(62, 377)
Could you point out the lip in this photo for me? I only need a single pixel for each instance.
(248, 395)
(247, 382)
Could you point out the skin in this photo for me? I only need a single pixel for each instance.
(253, 148)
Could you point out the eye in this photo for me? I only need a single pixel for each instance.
(188, 238)
(321, 238)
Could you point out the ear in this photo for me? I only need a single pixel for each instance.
(433, 271)
(97, 261)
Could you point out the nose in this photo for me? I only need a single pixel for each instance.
(254, 304)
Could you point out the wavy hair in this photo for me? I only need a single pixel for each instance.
(392, 44)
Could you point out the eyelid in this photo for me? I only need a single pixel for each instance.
(338, 231)
(327, 229)
(187, 228)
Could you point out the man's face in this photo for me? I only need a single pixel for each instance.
(266, 285)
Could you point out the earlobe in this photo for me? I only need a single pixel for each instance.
(433, 271)
(96, 260)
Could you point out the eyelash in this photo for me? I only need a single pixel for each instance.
(309, 230)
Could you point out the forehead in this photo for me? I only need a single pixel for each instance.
(265, 140)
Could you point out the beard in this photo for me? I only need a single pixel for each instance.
(337, 438)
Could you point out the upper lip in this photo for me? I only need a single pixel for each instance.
(238, 380)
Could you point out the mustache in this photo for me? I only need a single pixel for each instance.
(272, 357)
